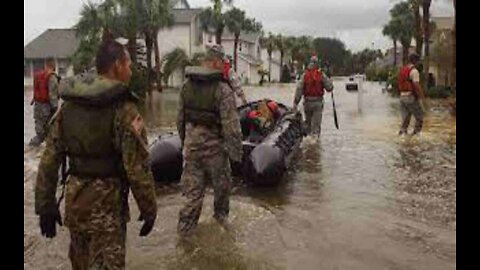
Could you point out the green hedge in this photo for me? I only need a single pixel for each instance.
(440, 92)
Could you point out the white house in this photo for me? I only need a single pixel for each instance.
(274, 66)
(249, 60)
(59, 44)
(187, 34)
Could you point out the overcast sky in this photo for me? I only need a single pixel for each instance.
(357, 23)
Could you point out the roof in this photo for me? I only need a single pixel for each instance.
(250, 37)
(59, 43)
(185, 15)
(250, 59)
(443, 23)
(175, 2)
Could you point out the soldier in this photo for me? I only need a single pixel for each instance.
(209, 127)
(311, 86)
(102, 135)
(231, 76)
(411, 93)
(45, 100)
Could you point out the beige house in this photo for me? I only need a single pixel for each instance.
(248, 55)
(440, 64)
(186, 33)
(59, 44)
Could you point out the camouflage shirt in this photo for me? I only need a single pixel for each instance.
(53, 91)
(92, 203)
(203, 142)
(236, 85)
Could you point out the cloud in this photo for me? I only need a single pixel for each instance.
(356, 22)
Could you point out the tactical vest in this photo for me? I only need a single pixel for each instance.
(87, 127)
(313, 83)
(40, 86)
(404, 82)
(199, 101)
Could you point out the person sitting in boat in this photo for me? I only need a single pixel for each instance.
(260, 120)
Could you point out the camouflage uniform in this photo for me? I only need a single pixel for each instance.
(236, 85)
(313, 106)
(96, 207)
(42, 112)
(207, 148)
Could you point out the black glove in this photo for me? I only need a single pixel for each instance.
(147, 225)
(48, 223)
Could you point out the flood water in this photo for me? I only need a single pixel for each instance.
(361, 198)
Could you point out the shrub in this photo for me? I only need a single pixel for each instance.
(440, 92)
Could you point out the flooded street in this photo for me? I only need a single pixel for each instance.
(362, 198)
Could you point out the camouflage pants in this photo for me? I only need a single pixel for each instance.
(98, 250)
(410, 105)
(41, 115)
(195, 177)
(313, 116)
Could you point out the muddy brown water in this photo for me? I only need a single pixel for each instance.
(361, 198)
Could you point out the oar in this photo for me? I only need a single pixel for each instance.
(334, 112)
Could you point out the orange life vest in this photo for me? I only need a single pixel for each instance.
(40, 86)
(313, 80)
(404, 82)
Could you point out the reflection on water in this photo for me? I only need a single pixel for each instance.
(360, 188)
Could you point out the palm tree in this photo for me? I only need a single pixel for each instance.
(402, 21)
(305, 48)
(390, 31)
(415, 6)
(154, 14)
(212, 19)
(177, 59)
(236, 22)
(426, 31)
(280, 44)
(269, 44)
(97, 21)
(130, 22)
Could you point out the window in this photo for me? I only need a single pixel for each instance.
(240, 46)
(27, 72)
(62, 71)
(62, 68)
(209, 38)
(38, 64)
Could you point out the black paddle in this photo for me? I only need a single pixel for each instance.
(334, 112)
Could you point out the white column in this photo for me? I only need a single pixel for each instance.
(359, 80)
(56, 65)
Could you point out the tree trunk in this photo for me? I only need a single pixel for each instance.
(269, 66)
(405, 50)
(218, 35)
(281, 63)
(235, 54)
(395, 53)
(426, 28)
(418, 28)
(454, 46)
(148, 45)
(132, 48)
(157, 62)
